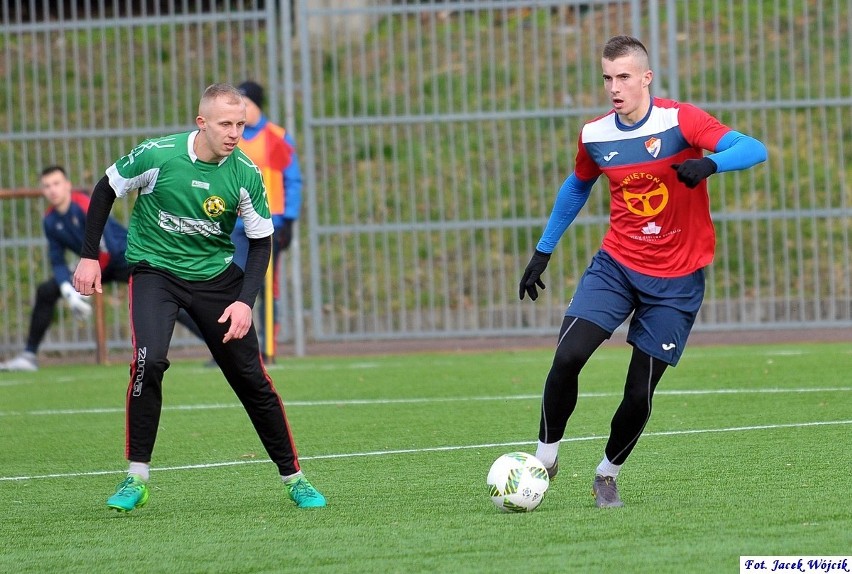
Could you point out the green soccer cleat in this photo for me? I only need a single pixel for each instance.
(303, 493)
(130, 494)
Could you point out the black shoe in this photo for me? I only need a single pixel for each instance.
(606, 492)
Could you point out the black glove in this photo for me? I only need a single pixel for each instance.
(693, 171)
(532, 275)
(286, 235)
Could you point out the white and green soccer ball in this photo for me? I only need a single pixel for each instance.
(517, 482)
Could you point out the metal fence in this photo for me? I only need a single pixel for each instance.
(440, 133)
(83, 82)
(433, 137)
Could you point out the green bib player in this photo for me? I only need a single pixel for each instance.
(191, 189)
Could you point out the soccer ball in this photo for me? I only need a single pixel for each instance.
(517, 482)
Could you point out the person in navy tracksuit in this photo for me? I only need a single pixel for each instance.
(64, 224)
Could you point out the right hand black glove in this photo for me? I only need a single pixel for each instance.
(532, 275)
(694, 171)
(286, 234)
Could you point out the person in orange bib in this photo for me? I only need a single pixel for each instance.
(273, 151)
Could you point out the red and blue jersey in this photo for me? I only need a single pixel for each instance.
(658, 226)
(65, 231)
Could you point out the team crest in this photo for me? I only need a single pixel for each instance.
(214, 206)
(653, 146)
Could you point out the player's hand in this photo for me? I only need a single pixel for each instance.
(240, 316)
(532, 275)
(80, 307)
(87, 277)
(286, 236)
(694, 171)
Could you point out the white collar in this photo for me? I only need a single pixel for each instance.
(190, 148)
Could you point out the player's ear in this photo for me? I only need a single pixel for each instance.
(201, 122)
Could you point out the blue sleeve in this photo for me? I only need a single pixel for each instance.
(737, 151)
(56, 254)
(292, 184)
(571, 198)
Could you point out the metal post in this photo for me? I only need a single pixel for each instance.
(654, 43)
(100, 330)
(289, 123)
(308, 167)
(673, 83)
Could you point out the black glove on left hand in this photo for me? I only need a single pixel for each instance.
(693, 171)
(286, 235)
(532, 275)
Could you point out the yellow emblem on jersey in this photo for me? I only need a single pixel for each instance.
(649, 200)
(214, 206)
(647, 203)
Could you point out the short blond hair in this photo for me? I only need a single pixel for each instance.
(215, 91)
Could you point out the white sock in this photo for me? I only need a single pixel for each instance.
(546, 453)
(290, 476)
(606, 468)
(140, 469)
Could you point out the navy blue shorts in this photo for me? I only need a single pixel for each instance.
(664, 308)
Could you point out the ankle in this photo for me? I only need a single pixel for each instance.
(140, 469)
(607, 468)
(291, 478)
(546, 453)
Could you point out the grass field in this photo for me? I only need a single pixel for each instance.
(748, 452)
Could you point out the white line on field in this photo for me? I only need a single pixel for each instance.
(420, 400)
(429, 449)
(518, 356)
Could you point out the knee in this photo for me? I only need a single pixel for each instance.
(568, 359)
(638, 395)
(47, 293)
(642, 377)
(150, 360)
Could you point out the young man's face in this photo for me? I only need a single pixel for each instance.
(221, 123)
(626, 80)
(56, 188)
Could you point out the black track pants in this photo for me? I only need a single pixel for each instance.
(155, 299)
